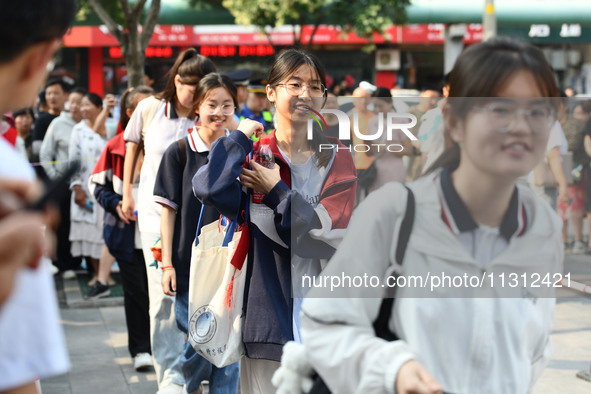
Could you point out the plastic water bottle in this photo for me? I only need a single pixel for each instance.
(263, 156)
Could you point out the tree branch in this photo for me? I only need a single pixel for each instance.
(125, 8)
(106, 18)
(150, 23)
(319, 20)
(268, 35)
(138, 7)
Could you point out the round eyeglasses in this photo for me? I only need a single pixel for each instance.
(296, 89)
(226, 109)
(503, 115)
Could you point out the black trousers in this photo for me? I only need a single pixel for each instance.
(65, 261)
(135, 299)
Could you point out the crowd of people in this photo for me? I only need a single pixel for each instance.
(472, 180)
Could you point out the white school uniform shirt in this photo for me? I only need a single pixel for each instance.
(32, 339)
(166, 127)
(462, 342)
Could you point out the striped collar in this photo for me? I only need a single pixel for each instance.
(170, 111)
(196, 143)
(457, 217)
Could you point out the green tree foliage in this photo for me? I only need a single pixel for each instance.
(363, 17)
(123, 18)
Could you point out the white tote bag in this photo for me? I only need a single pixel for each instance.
(216, 292)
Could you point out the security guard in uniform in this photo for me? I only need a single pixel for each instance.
(256, 103)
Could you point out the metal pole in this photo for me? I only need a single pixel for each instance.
(489, 20)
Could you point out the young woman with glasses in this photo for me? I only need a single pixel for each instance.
(308, 200)
(471, 218)
(215, 103)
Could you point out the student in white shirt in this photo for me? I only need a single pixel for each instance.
(157, 122)
(470, 218)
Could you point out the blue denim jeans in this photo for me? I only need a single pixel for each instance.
(195, 368)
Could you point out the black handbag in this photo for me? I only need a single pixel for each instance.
(380, 325)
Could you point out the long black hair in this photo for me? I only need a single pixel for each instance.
(191, 67)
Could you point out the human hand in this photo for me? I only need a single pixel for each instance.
(21, 245)
(110, 101)
(563, 194)
(79, 196)
(120, 213)
(250, 127)
(260, 178)
(169, 281)
(413, 378)
(128, 207)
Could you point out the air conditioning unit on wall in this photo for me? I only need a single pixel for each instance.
(387, 59)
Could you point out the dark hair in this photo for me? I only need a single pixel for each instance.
(149, 71)
(129, 101)
(289, 60)
(24, 111)
(213, 81)
(285, 65)
(479, 72)
(383, 94)
(191, 67)
(95, 99)
(41, 97)
(79, 90)
(57, 81)
(24, 23)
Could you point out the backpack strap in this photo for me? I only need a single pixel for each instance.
(380, 325)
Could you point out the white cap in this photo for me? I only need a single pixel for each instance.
(368, 87)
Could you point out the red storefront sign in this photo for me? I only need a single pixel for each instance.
(216, 36)
(99, 36)
(204, 36)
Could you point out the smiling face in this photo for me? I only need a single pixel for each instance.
(212, 108)
(74, 104)
(89, 110)
(509, 154)
(296, 109)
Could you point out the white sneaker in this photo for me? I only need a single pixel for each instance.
(142, 362)
(579, 247)
(69, 274)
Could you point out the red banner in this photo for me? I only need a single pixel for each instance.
(183, 36)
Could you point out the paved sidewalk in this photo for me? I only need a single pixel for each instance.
(101, 364)
(97, 343)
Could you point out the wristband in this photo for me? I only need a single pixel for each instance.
(167, 267)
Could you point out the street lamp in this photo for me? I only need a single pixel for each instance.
(489, 20)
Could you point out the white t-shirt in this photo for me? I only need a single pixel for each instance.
(166, 127)
(32, 342)
(307, 179)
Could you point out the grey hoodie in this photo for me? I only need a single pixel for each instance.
(56, 144)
